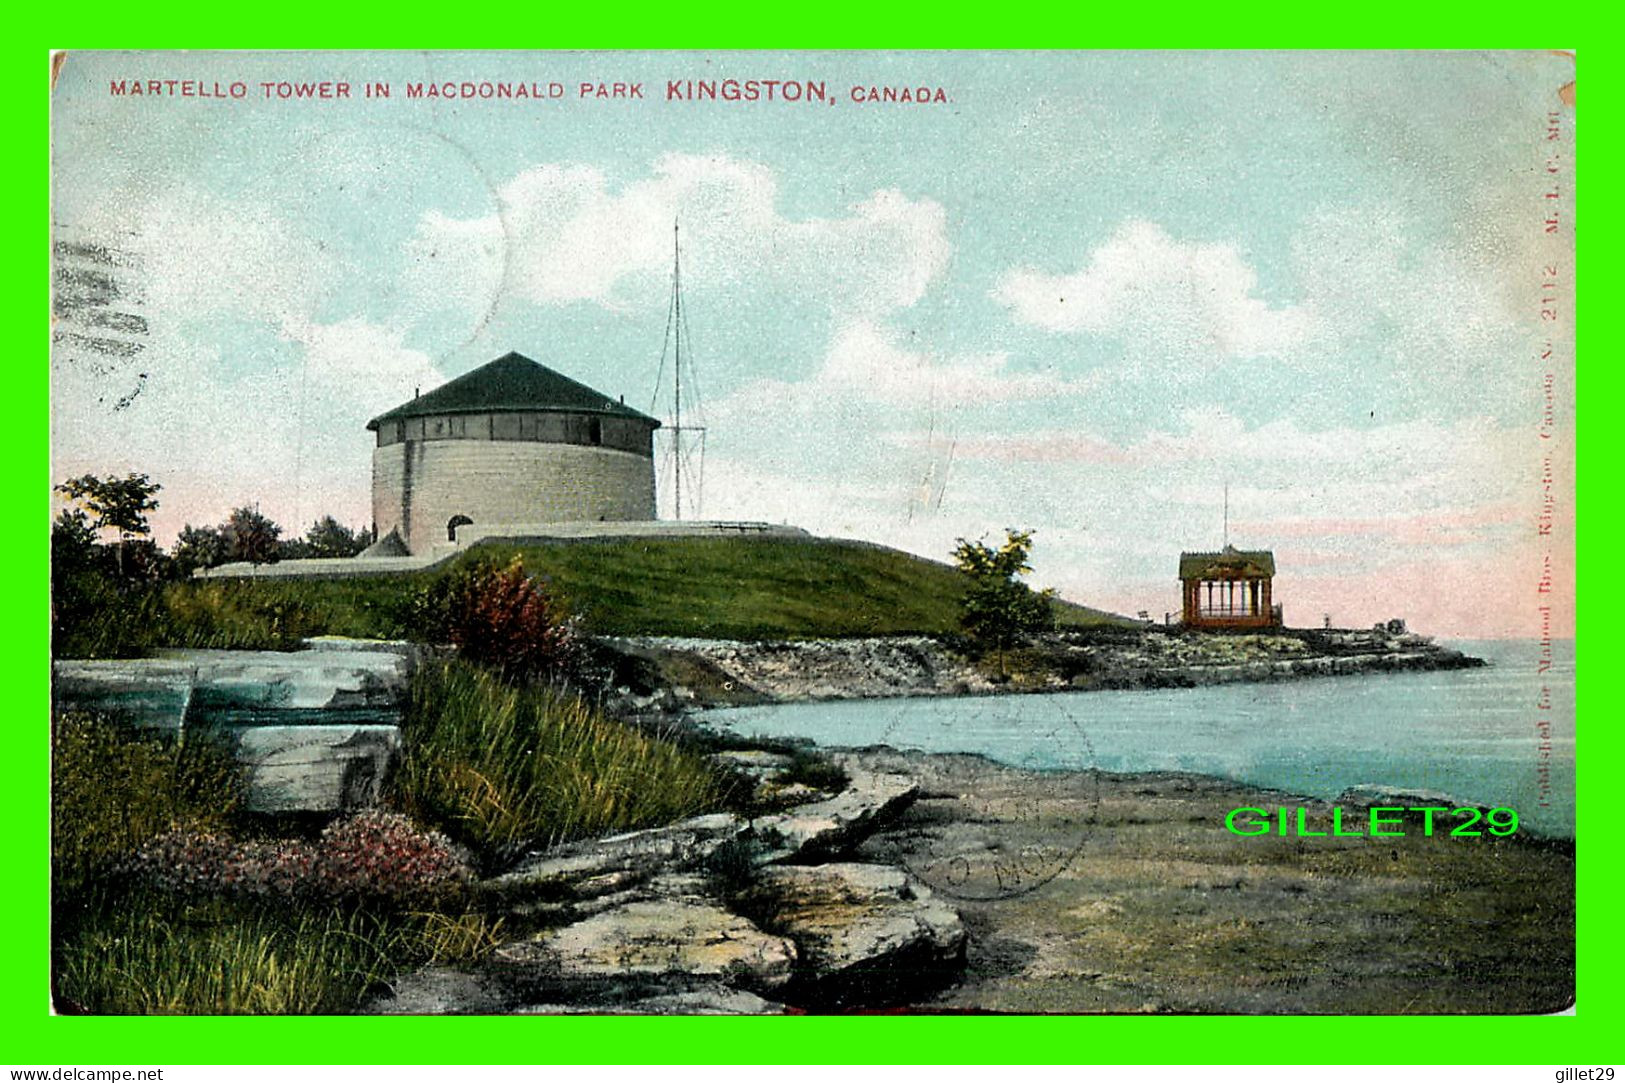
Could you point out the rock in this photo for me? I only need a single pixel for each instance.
(405, 648)
(314, 768)
(795, 792)
(648, 947)
(178, 689)
(756, 762)
(441, 990)
(835, 826)
(147, 693)
(1367, 795)
(708, 1000)
(292, 687)
(316, 729)
(865, 935)
(595, 867)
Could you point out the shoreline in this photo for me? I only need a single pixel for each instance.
(1358, 798)
(945, 883)
(665, 675)
(1154, 907)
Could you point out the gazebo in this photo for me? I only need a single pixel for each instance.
(1228, 589)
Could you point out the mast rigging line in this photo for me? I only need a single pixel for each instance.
(677, 331)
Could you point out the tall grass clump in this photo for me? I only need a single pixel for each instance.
(501, 767)
(112, 791)
(160, 954)
(235, 615)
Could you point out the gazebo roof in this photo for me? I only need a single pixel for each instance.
(1228, 562)
(513, 382)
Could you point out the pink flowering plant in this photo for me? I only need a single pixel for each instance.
(369, 855)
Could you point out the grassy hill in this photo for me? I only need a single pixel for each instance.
(726, 588)
(756, 588)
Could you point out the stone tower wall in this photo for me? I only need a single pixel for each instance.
(418, 486)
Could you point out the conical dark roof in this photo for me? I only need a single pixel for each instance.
(511, 382)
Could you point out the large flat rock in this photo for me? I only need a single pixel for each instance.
(865, 935)
(837, 825)
(595, 867)
(148, 693)
(202, 688)
(277, 687)
(316, 729)
(658, 945)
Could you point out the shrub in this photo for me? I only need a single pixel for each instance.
(501, 617)
(502, 768)
(370, 855)
(112, 791)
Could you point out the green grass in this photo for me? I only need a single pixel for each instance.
(503, 768)
(728, 588)
(112, 791)
(756, 588)
(145, 953)
(123, 950)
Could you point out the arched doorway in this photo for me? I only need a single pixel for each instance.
(453, 523)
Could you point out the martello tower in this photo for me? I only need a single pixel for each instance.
(511, 443)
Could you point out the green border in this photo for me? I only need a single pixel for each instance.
(36, 1038)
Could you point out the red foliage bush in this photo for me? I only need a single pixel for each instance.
(503, 618)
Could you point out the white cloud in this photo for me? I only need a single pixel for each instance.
(1444, 308)
(1144, 286)
(870, 381)
(866, 358)
(561, 235)
(359, 367)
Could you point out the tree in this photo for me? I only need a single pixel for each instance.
(117, 504)
(250, 536)
(998, 608)
(328, 538)
(72, 536)
(199, 547)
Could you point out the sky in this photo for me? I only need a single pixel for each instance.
(1078, 293)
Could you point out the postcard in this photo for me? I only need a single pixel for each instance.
(761, 533)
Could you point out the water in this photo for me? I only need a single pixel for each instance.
(1471, 733)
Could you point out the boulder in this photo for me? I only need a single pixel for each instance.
(835, 826)
(314, 768)
(596, 867)
(647, 948)
(178, 689)
(316, 729)
(865, 935)
(441, 990)
(147, 693)
(292, 687)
